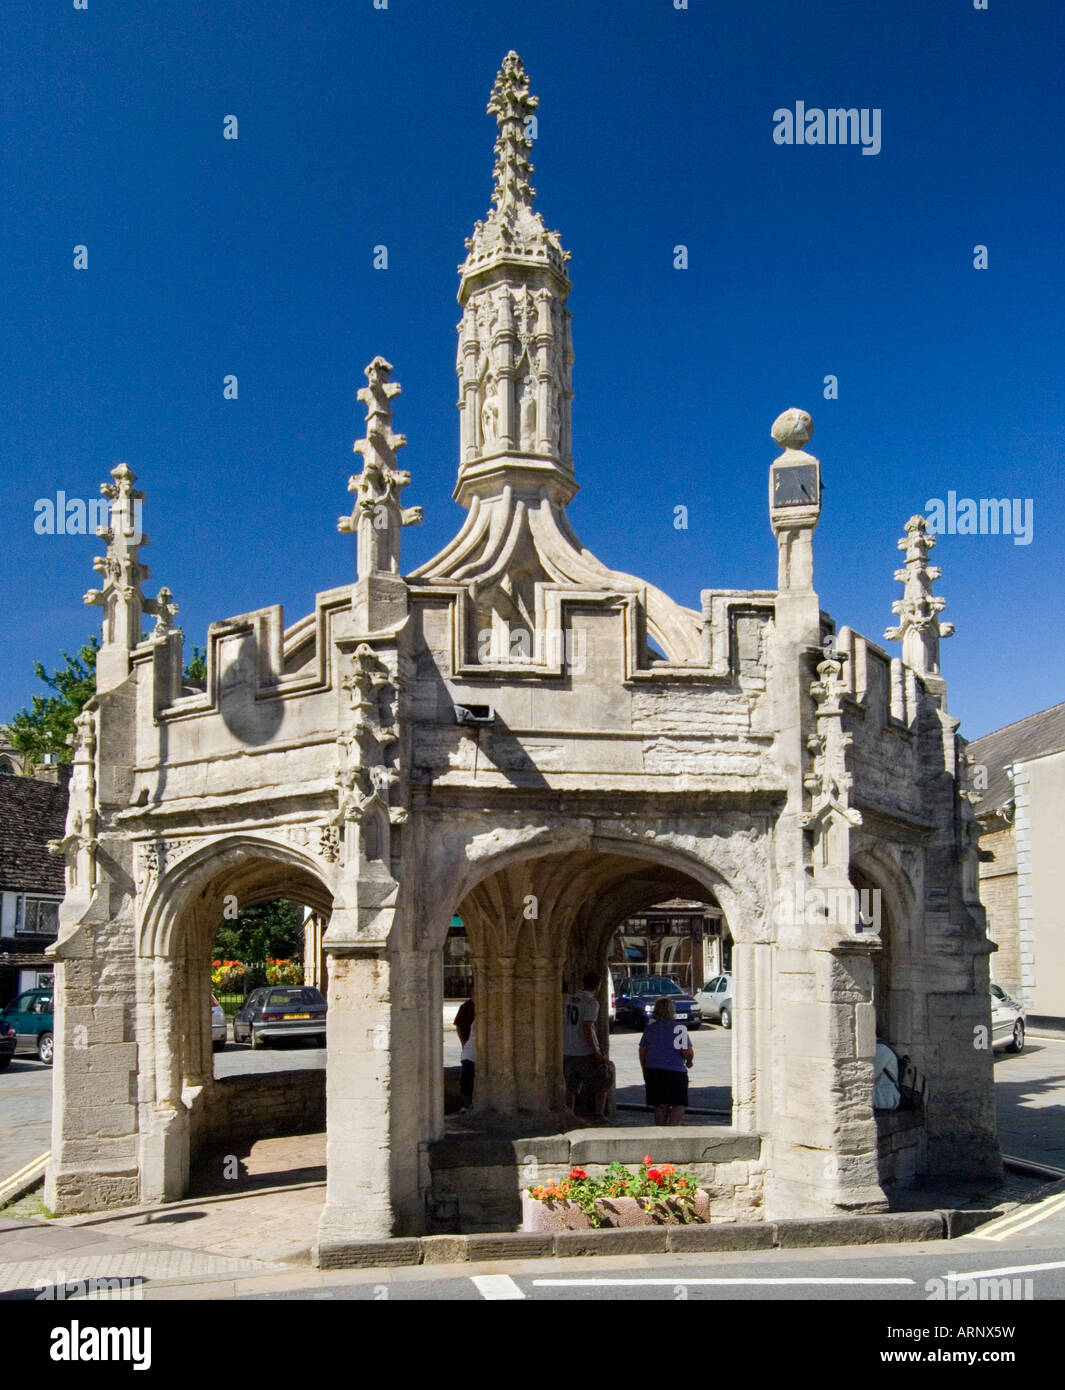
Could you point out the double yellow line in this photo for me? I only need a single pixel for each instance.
(24, 1179)
(1016, 1221)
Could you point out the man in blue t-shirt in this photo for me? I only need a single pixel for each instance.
(666, 1054)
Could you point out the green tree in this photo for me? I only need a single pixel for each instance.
(45, 727)
(196, 670)
(271, 931)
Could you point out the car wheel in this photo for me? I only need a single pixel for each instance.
(5, 1062)
(44, 1048)
(694, 1027)
(726, 1017)
(218, 1046)
(1017, 1045)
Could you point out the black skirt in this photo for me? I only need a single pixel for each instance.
(666, 1087)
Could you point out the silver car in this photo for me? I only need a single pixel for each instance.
(715, 998)
(218, 1025)
(281, 1011)
(1007, 1021)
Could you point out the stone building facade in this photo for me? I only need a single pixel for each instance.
(517, 734)
(1020, 813)
(32, 812)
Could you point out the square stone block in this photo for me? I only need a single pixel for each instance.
(366, 1254)
(738, 1235)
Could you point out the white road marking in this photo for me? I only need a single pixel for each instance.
(496, 1286)
(681, 1279)
(1014, 1269)
(1016, 1221)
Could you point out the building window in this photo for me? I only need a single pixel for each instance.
(37, 916)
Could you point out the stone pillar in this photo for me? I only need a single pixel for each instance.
(823, 1134)
(359, 1097)
(164, 1144)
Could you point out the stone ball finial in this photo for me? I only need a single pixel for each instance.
(793, 429)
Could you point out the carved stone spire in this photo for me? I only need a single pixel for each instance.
(514, 109)
(515, 353)
(378, 517)
(121, 597)
(919, 628)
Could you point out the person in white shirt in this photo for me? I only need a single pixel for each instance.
(583, 1063)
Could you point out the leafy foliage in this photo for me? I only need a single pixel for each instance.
(658, 1188)
(45, 727)
(271, 931)
(196, 669)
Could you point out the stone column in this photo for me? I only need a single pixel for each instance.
(164, 1146)
(359, 1160)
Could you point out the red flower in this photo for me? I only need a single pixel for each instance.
(668, 1169)
(577, 1173)
(654, 1175)
(647, 1158)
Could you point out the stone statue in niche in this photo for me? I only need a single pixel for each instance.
(490, 411)
(555, 421)
(527, 414)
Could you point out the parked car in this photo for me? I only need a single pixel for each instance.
(31, 1016)
(638, 995)
(7, 1044)
(218, 1025)
(715, 999)
(280, 1011)
(1007, 1021)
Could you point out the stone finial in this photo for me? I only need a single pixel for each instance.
(512, 105)
(919, 628)
(378, 516)
(512, 229)
(164, 611)
(793, 429)
(121, 596)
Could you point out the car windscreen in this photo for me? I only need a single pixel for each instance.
(285, 998)
(657, 984)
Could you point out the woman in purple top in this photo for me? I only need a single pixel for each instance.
(666, 1054)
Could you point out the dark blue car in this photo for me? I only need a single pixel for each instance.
(638, 995)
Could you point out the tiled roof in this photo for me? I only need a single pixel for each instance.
(1039, 733)
(31, 814)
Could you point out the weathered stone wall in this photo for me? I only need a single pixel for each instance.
(261, 1106)
(1039, 788)
(998, 893)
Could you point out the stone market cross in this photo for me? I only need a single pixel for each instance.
(516, 723)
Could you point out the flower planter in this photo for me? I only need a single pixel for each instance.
(613, 1211)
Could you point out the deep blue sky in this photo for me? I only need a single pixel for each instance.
(360, 127)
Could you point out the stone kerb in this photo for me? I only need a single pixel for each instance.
(891, 1228)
